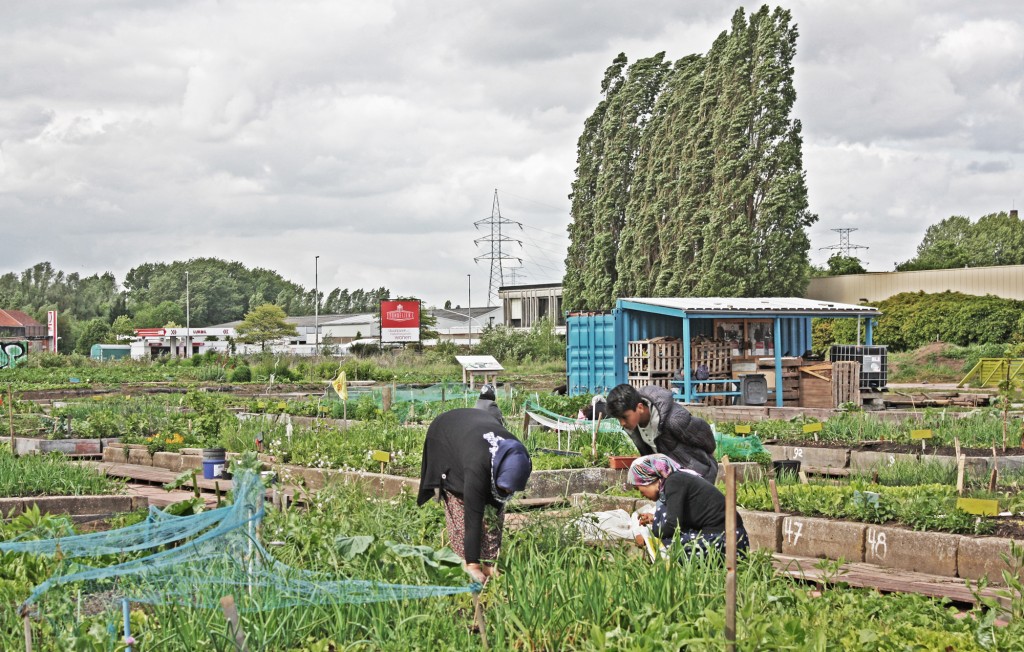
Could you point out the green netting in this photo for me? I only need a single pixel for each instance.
(196, 560)
(738, 448)
(559, 422)
(448, 391)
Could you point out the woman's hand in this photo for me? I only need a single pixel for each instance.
(645, 519)
(475, 573)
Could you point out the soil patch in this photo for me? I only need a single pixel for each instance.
(1010, 527)
(927, 364)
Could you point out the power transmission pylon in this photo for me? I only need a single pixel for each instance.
(497, 256)
(844, 245)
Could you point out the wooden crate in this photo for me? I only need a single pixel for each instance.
(816, 385)
(657, 355)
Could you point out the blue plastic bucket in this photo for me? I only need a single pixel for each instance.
(213, 469)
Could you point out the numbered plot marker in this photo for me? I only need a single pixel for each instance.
(381, 456)
(978, 506)
(742, 430)
(812, 427)
(921, 434)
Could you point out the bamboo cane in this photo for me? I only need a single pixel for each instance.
(730, 558)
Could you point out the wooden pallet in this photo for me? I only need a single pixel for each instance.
(656, 355)
(846, 383)
(716, 355)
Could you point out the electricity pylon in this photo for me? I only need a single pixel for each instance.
(496, 240)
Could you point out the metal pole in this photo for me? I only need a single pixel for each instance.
(316, 305)
(469, 309)
(188, 320)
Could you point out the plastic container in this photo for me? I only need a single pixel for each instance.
(783, 467)
(874, 362)
(214, 469)
(620, 461)
(753, 389)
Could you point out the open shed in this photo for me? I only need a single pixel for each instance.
(669, 339)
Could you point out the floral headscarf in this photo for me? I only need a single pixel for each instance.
(651, 468)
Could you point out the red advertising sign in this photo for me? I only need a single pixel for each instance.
(399, 321)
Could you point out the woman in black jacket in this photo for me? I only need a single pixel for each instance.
(686, 505)
(476, 465)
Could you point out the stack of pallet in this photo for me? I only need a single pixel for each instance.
(716, 356)
(654, 361)
(790, 381)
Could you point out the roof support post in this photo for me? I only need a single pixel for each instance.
(777, 344)
(687, 387)
(868, 339)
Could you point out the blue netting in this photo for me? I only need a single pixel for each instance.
(196, 560)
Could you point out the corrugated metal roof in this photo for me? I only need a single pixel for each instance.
(789, 305)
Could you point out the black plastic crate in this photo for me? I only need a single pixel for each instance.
(874, 362)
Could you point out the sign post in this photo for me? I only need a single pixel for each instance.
(51, 329)
(399, 321)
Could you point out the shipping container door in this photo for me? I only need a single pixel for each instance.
(591, 353)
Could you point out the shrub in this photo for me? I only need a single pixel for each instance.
(242, 374)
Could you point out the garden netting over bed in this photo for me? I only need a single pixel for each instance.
(196, 560)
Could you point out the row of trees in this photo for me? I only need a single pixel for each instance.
(95, 309)
(689, 178)
(995, 239)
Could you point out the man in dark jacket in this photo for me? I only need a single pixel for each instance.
(476, 465)
(487, 401)
(657, 424)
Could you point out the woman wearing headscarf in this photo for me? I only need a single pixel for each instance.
(686, 505)
(475, 464)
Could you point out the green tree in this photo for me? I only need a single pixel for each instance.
(839, 264)
(94, 331)
(995, 239)
(122, 328)
(159, 316)
(264, 324)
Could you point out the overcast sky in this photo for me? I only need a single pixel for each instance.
(374, 134)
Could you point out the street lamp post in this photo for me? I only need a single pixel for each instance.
(188, 320)
(469, 308)
(316, 306)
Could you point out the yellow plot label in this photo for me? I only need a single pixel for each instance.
(812, 427)
(978, 506)
(742, 430)
(381, 456)
(921, 434)
(282, 405)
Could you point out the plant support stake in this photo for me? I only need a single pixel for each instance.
(730, 558)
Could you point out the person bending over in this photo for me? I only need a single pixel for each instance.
(475, 465)
(657, 424)
(686, 505)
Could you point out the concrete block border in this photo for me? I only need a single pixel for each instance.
(75, 506)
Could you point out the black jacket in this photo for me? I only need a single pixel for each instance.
(683, 437)
(692, 503)
(491, 408)
(457, 460)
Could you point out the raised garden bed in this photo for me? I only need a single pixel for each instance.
(938, 553)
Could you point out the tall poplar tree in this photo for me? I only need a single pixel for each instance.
(690, 179)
